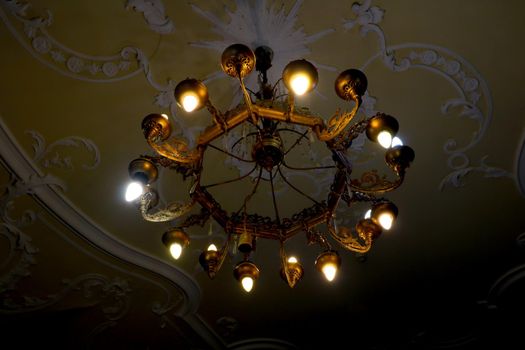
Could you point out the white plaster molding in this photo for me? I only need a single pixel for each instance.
(21, 249)
(42, 151)
(49, 51)
(92, 286)
(257, 24)
(49, 197)
(262, 343)
(520, 167)
(474, 98)
(503, 284)
(154, 15)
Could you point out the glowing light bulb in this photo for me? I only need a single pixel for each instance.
(175, 250)
(247, 283)
(134, 191)
(368, 214)
(292, 260)
(386, 220)
(396, 141)
(212, 247)
(190, 102)
(385, 139)
(329, 271)
(300, 83)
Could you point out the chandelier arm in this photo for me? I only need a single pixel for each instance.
(172, 211)
(313, 237)
(303, 135)
(218, 117)
(295, 188)
(247, 100)
(299, 118)
(232, 119)
(186, 170)
(357, 196)
(232, 180)
(358, 245)
(176, 150)
(231, 154)
(338, 123)
(277, 217)
(344, 140)
(377, 184)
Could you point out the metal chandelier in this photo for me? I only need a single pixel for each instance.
(268, 117)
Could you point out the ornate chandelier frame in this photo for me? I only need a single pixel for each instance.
(268, 154)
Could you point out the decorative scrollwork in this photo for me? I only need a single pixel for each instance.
(371, 182)
(171, 212)
(42, 151)
(344, 236)
(338, 122)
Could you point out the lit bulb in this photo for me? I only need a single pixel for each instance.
(292, 260)
(300, 83)
(134, 191)
(386, 220)
(212, 247)
(368, 214)
(175, 250)
(329, 271)
(247, 283)
(385, 139)
(396, 141)
(190, 102)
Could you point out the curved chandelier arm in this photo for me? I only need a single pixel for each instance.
(338, 123)
(248, 101)
(218, 117)
(157, 131)
(372, 183)
(346, 238)
(176, 150)
(171, 212)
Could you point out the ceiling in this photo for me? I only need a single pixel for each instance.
(79, 266)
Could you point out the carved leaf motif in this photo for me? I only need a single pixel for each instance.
(41, 150)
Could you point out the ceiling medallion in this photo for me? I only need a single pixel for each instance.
(270, 118)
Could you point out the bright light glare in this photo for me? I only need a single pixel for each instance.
(165, 116)
(292, 260)
(134, 191)
(329, 271)
(368, 214)
(212, 247)
(190, 102)
(247, 283)
(386, 220)
(300, 83)
(396, 141)
(385, 139)
(175, 250)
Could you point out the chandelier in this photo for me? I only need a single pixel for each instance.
(268, 119)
